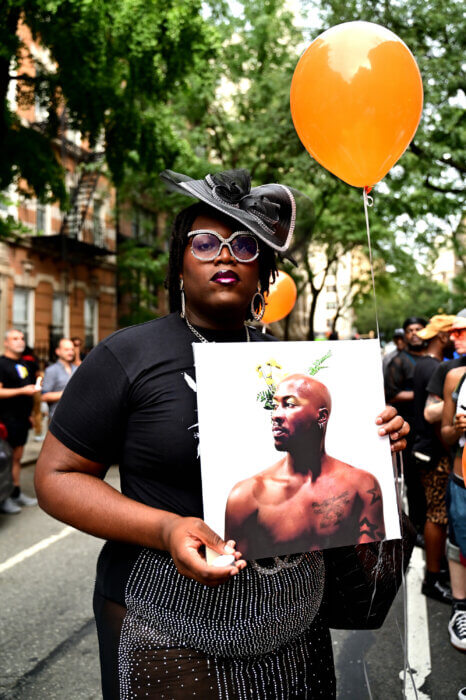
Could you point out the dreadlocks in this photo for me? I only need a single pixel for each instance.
(179, 240)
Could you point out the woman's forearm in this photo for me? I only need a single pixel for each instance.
(88, 503)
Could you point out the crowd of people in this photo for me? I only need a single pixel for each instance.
(170, 623)
(24, 390)
(425, 380)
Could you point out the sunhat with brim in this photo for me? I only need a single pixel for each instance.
(268, 211)
(437, 324)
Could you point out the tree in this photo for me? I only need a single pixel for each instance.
(426, 190)
(413, 295)
(249, 125)
(141, 273)
(237, 115)
(111, 68)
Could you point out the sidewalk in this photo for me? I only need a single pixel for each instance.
(31, 450)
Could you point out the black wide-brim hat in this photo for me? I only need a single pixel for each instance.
(268, 211)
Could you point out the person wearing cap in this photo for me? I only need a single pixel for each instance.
(432, 458)
(434, 404)
(454, 433)
(399, 392)
(399, 342)
(169, 622)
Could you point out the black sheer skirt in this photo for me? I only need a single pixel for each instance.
(176, 674)
(148, 652)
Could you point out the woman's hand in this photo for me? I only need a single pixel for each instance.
(185, 540)
(393, 425)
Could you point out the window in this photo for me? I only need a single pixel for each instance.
(331, 287)
(58, 329)
(40, 218)
(136, 226)
(331, 305)
(21, 312)
(96, 223)
(90, 323)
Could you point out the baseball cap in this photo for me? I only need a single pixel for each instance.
(437, 324)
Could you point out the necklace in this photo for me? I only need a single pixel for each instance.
(204, 340)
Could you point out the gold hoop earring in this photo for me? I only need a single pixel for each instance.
(257, 315)
(183, 301)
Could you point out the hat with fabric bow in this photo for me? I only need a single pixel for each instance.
(268, 211)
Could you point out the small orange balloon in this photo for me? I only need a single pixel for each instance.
(280, 299)
(356, 101)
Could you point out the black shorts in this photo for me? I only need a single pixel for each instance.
(18, 429)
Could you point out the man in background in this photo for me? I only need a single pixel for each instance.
(307, 500)
(399, 343)
(432, 458)
(399, 392)
(434, 404)
(57, 376)
(17, 389)
(78, 350)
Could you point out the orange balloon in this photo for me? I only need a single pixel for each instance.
(280, 299)
(356, 101)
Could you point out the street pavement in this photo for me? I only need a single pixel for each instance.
(48, 640)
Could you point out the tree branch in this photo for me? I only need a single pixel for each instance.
(446, 161)
(25, 77)
(444, 190)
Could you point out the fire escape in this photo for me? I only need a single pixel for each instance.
(77, 227)
(81, 235)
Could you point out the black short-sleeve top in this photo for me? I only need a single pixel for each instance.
(132, 402)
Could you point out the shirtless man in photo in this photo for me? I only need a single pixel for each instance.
(307, 500)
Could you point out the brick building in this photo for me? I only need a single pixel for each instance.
(59, 278)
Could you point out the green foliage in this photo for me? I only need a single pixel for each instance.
(319, 364)
(266, 398)
(115, 64)
(141, 272)
(413, 294)
(428, 181)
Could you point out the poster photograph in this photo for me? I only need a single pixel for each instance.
(291, 458)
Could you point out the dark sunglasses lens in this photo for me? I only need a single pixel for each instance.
(205, 245)
(244, 247)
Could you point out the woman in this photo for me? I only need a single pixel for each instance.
(169, 624)
(454, 433)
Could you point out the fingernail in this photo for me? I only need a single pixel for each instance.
(379, 420)
(394, 436)
(382, 431)
(228, 549)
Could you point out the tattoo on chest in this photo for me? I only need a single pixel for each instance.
(331, 509)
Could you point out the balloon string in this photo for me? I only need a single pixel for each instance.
(369, 202)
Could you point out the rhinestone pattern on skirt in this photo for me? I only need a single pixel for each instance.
(254, 632)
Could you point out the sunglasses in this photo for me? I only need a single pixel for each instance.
(457, 332)
(207, 245)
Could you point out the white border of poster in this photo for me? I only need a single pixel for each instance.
(235, 430)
